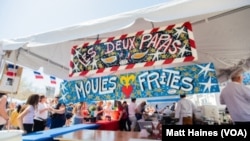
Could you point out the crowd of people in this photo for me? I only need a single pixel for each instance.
(34, 115)
(40, 113)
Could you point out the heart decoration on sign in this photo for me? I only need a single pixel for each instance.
(126, 81)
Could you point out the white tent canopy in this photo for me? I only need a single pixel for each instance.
(220, 29)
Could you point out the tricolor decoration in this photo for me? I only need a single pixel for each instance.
(192, 79)
(10, 77)
(11, 70)
(155, 47)
(38, 75)
(52, 80)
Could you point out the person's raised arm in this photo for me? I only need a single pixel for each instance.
(61, 110)
(3, 112)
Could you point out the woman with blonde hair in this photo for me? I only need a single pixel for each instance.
(77, 114)
(26, 117)
(108, 110)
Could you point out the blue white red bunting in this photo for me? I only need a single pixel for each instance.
(38, 75)
(52, 80)
(11, 70)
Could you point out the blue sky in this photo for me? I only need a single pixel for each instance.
(20, 18)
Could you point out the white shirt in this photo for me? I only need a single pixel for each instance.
(79, 112)
(167, 111)
(236, 97)
(39, 114)
(184, 108)
(131, 109)
(29, 117)
(107, 110)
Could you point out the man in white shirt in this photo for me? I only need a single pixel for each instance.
(184, 111)
(132, 111)
(236, 97)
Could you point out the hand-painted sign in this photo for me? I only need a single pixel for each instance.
(163, 45)
(194, 79)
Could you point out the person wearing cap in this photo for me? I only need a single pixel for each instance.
(184, 111)
(236, 97)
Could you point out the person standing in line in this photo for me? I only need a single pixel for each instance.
(107, 111)
(41, 114)
(184, 111)
(132, 110)
(52, 104)
(3, 111)
(69, 114)
(100, 110)
(78, 114)
(140, 110)
(26, 117)
(58, 117)
(13, 117)
(127, 121)
(236, 97)
(85, 112)
(121, 118)
(172, 107)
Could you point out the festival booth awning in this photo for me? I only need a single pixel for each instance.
(220, 30)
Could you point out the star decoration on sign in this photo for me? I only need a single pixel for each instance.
(208, 85)
(205, 69)
(77, 53)
(94, 64)
(76, 67)
(63, 98)
(63, 87)
(179, 31)
(156, 55)
(183, 50)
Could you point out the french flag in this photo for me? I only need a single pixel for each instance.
(38, 75)
(11, 70)
(52, 80)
